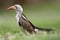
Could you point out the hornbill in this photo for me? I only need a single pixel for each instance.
(23, 22)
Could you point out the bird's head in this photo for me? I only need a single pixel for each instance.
(16, 7)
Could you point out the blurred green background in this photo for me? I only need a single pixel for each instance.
(42, 13)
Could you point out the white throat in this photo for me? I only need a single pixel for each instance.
(19, 11)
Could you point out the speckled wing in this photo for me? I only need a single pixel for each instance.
(26, 24)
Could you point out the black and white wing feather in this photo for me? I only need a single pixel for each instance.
(26, 24)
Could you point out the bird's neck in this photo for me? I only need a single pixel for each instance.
(19, 12)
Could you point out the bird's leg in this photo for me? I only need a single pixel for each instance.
(27, 33)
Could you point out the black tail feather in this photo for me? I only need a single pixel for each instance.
(44, 29)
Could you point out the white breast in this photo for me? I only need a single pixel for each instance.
(17, 17)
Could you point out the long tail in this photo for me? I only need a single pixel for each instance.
(44, 29)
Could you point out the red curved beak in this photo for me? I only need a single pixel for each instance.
(11, 8)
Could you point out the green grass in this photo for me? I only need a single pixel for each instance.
(43, 16)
